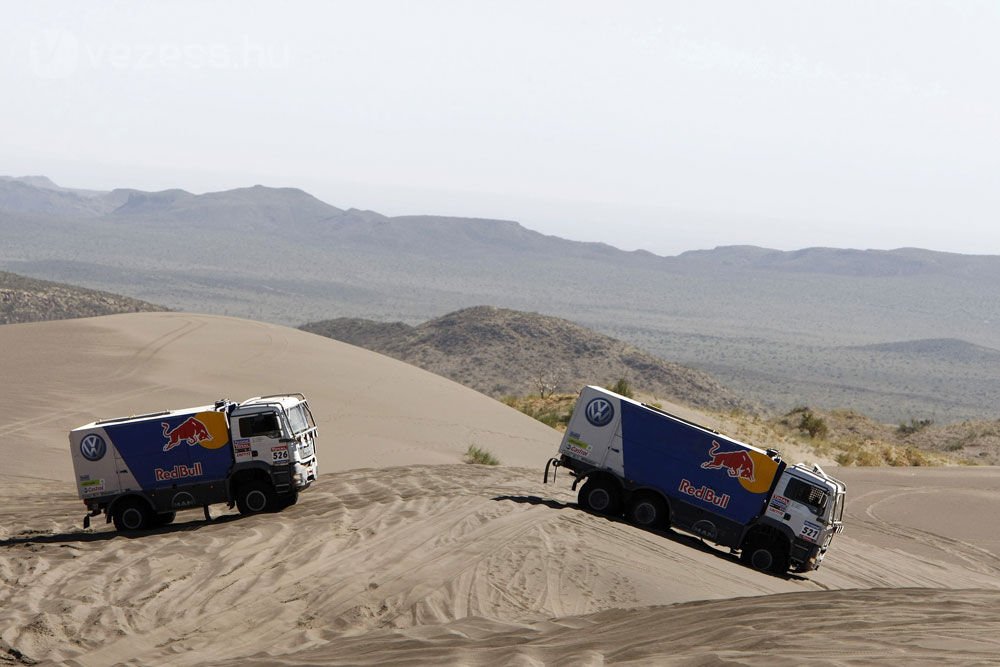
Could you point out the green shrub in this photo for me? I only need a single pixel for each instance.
(813, 425)
(481, 456)
(913, 427)
(622, 387)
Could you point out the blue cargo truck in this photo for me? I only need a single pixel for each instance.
(140, 470)
(659, 471)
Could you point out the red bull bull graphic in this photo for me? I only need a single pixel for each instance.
(754, 470)
(737, 463)
(190, 431)
(206, 429)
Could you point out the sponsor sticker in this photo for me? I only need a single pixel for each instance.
(578, 447)
(92, 487)
(279, 454)
(778, 505)
(242, 448)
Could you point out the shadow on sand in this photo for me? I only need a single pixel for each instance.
(669, 534)
(83, 536)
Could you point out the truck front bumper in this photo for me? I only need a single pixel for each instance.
(805, 556)
(305, 473)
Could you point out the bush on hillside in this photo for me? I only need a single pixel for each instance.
(481, 456)
(622, 387)
(813, 425)
(914, 426)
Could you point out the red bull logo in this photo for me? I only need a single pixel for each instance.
(190, 431)
(706, 493)
(178, 472)
(737, 463)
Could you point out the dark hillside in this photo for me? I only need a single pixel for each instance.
(29, 300)
(503, 352)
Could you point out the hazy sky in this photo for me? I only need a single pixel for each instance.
(663, 125)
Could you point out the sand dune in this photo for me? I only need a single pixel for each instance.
(476, 565)
(371, 410)
(401, 556)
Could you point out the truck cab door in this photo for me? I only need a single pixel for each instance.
(801, 506)
(260, 433)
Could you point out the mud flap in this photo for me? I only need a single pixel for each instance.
(86, 518)
(555, 465)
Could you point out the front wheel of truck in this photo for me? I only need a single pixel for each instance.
(254, 497)
(766, 556)
(601, 496)
(284, 502)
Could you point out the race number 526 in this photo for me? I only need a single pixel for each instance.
(279, 454)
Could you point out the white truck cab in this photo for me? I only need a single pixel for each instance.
(811, 504)
(277, 429)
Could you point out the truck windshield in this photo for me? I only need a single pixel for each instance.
(811, 496)
(299, 419)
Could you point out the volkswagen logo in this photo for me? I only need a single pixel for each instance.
(93, 447)
(600, 412)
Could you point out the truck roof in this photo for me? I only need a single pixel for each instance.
(145, 417)
(286, 401)
(701, 427)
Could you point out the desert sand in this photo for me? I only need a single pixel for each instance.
(401, 554)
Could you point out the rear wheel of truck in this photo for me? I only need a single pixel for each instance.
(254, 497)
(131, 514)
(766, 556)
(600, 496)
(163, 519)
(647, 511)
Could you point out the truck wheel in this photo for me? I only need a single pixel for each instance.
(163, 519)
(766, 556)
(600, 496)
(647, 511)
(284, 502)
(254, 497)
(131, 514)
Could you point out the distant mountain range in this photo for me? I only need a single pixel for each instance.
(783, 328)
(502, 352)
(28, 300)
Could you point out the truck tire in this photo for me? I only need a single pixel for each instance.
(647, 511)
(163, 519)
(600, 496)
(284, 502)
(766, 556)
(254, 497)
(131, 514)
